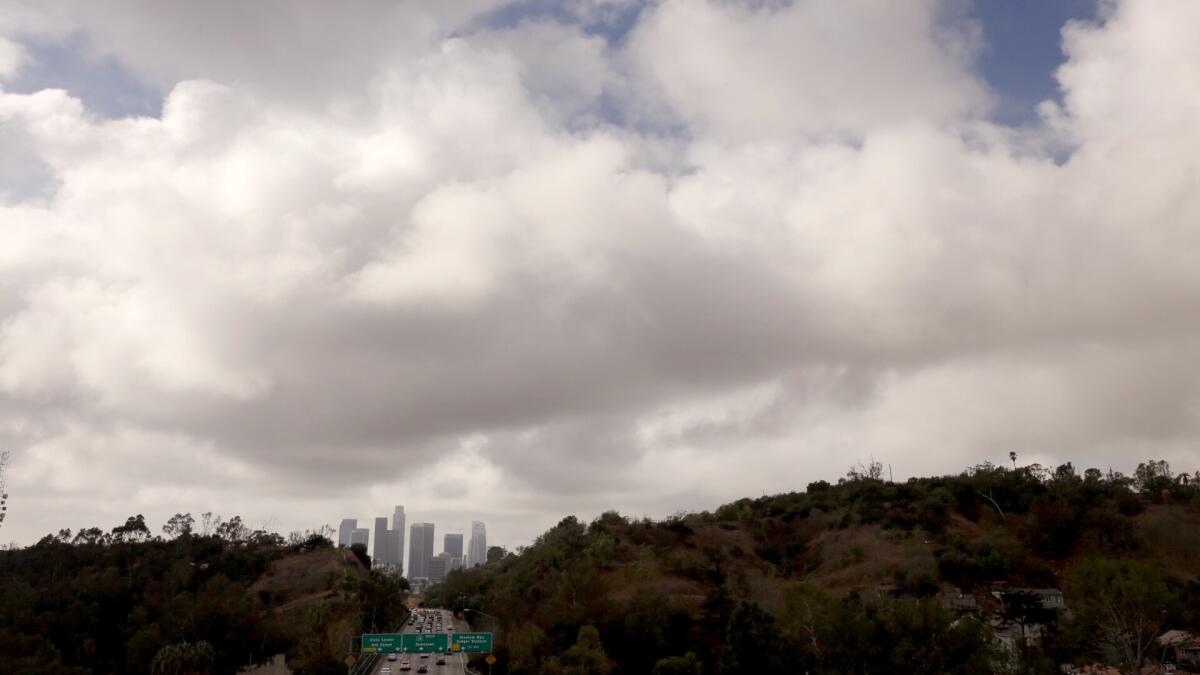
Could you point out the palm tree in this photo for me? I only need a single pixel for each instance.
(1013, 456)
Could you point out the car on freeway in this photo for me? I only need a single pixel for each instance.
(385, 671)
(441, 661)
(391, 657)
(405, 665)
(423, 669)
(424, 656)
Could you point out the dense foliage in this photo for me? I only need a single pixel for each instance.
(125, 601)
(761, 585)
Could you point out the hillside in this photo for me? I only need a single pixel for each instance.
(121, 602)
(859, 576)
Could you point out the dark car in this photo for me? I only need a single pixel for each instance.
(423, 669)
(441, 661)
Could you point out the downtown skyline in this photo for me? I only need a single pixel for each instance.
(417, 547)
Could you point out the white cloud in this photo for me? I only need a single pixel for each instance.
(808, 68)
(12, 57)
(746, 250)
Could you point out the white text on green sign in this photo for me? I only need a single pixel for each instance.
(475, 643)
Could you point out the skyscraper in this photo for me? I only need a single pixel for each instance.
(439, 565)
(477, 553)
(420, 549)
(360, 535)
(381, 552)
(345, 530)
(453, 544)
(398, 527)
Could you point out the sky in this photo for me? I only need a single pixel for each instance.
(300, 261)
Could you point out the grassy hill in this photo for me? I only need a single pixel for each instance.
(859, 576)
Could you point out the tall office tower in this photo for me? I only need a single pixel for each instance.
(398, 526)
(345, 530)
(360, 535)
(380, 552)
(453, 544)
(420, 549)
(439, 565)
(477, 554)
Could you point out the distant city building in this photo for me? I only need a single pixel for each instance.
(456, 564)
(360, 535)
(345, 530)
(477, 553)
(380, 552)
(398, 527)
(420, 549)
(453, 544)
(439, 565)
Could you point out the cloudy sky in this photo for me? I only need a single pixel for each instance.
(509, 261)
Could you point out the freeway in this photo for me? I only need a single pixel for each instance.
(456, 664)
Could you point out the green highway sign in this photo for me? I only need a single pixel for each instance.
(424, 643)
(382, 643)
(475, 643)
(405, 643)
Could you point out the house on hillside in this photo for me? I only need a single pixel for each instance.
(1181, 647)
(1050, 598)
(958, 601)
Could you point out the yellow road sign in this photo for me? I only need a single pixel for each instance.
(490, 659)
(349, 660)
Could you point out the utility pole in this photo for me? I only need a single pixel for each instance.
(3, 486)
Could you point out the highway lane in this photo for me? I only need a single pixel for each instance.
(456, 664)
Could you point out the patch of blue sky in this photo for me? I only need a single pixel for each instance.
(1023, 50)
(611, 20)
(106, 88)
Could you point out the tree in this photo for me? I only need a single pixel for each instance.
(208, 522)
(233, 530)
(687, 664)
(360, 552)
(870, 471)
(495, 553)
(184, 658)
(752, 642)
(92, 535)
(1152, 477)
(179, 525)
(1122, 603)
(586, 657)
(134, 529)
(1025, 609)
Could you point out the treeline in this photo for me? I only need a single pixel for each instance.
(729, 591)
(128, 601)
